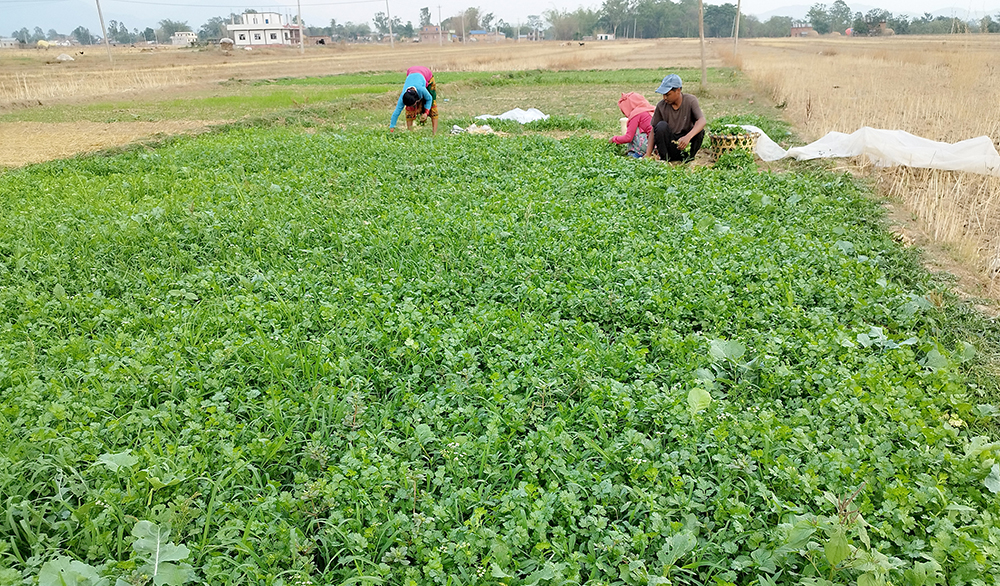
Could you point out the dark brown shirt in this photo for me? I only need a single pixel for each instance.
(681, 120)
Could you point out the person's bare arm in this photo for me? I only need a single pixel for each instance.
(685, 140)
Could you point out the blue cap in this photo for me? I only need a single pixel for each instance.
(669, 82)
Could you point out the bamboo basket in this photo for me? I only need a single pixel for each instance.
(723, 143)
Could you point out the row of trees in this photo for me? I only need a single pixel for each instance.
(623, 18)
(117, 33)
(838, 18)
(668, 18)
(659, 18)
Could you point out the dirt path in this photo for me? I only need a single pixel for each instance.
(36, 142)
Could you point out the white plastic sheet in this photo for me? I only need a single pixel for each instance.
(886, 148)
(518, 115)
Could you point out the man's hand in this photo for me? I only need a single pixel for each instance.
(683, 142)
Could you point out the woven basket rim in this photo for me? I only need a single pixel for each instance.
(734, 136)
(729, 142)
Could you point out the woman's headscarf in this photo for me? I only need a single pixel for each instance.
(632, 104)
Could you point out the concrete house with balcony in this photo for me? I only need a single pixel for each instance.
(183, 38)
(262, 28)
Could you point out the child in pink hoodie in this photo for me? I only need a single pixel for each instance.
(639, 129)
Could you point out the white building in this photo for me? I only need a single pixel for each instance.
(263, 28)
(9, 43)
(183, 38)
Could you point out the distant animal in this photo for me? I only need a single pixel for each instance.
(581, 44)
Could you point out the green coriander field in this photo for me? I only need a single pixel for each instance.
(282, 354)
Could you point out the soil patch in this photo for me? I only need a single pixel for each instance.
(35, 142)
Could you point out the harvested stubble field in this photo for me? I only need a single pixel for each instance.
(941, 88)
(298, 349)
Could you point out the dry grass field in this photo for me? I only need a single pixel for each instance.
(32, 76)
(942, 88)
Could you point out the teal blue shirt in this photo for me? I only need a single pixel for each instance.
(414, 80)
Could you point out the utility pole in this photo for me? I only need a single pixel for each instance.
(104, 31)
(392, 43)
(463, 27)
(701, 35)
(736, 35)
(302, 45)
(440, 42)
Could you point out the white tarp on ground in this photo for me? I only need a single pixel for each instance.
(519, 115)
(886, 148)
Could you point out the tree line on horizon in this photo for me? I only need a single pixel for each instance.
(838, 18)
(642, 19)
(118, 33)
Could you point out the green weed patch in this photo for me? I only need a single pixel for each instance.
(264, 100)
(563, 123)
(390, 359)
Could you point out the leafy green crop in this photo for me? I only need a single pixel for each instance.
(159, 556)
(775, 129)
(735, 160)
(65, 571)
(551, 123)
(354, 357)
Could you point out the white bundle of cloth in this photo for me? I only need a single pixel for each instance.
(518, 115)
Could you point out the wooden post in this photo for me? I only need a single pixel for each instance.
(392, 43)
(736, 35)
(302, 43)
(104, 31)
(701, 35)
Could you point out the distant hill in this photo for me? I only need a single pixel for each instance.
(963, 13)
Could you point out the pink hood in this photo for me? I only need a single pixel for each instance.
(632, 104)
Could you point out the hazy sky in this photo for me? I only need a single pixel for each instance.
(65, 15)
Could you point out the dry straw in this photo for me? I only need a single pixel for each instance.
(942, 88)
(35, 75)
